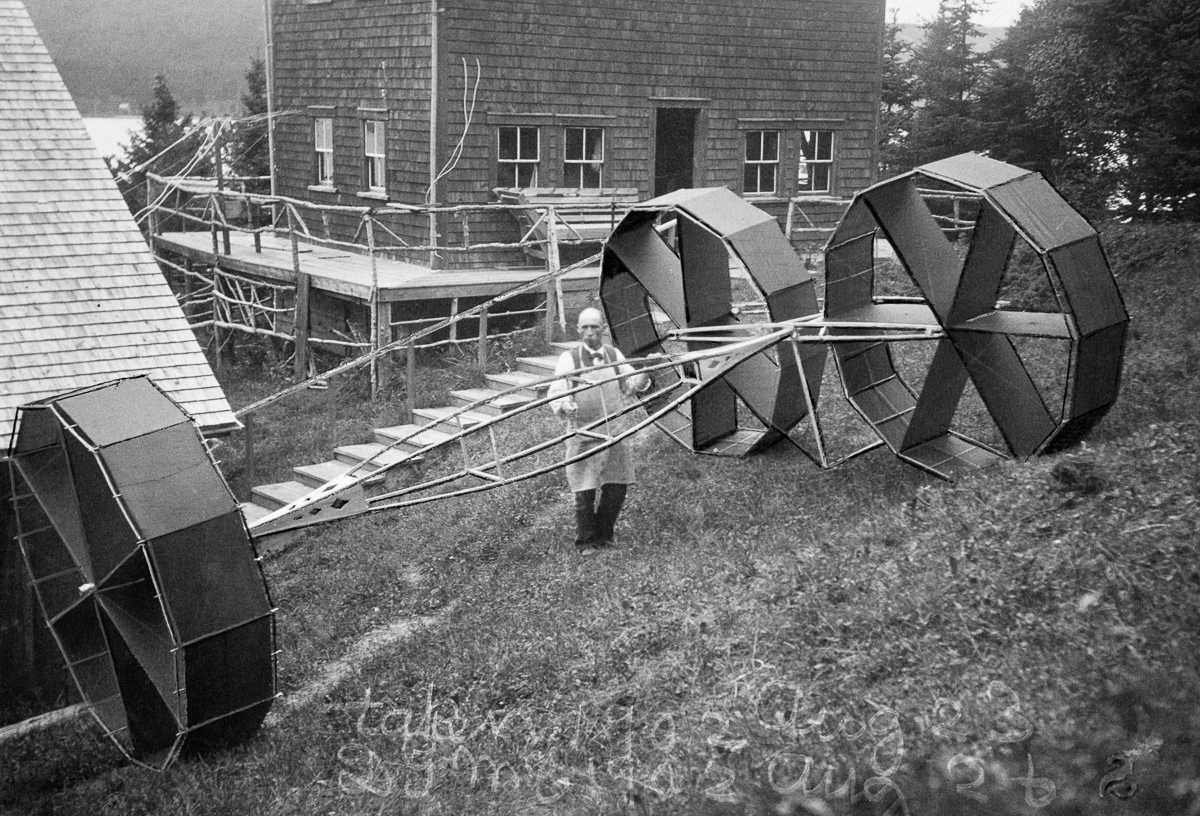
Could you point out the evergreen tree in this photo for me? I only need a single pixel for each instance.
(158, 148)
(947, 74)
(896, 102)
(251, 154)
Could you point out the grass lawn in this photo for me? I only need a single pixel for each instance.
(766, 638)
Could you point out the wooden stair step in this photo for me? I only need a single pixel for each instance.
(447, 419)
(542, 366)
(496, 403)
(418, 440)
(353, 454)
(323, 472)
(253, 512)
(514, 379)
(280, 494)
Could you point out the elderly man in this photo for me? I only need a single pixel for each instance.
(610, 471)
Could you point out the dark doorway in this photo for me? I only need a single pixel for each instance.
(674, 148)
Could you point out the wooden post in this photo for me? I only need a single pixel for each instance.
(331, 410)
(151, 198)
(249, 456)
(300, 318)
(216, 316)
(454, 323)
(410, 384)
(483, 339)
(373, 305)
(219, 199)
(554, 288)
(791, 219)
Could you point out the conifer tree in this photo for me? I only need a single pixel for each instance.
(251, 155)
(896, 102)
(159, 148)
(947, 71)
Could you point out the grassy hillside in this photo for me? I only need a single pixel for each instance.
(767, 638)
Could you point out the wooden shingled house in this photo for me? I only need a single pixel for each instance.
(589, 104)
(82, 300)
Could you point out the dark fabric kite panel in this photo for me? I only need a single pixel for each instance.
(707, 285)
(1050, 325)
(983, 270)
(38, 429)
(1007, 389)
(974, 170)
(1098, 369)
(1091, 292)
(918, 240)
(799, 300)
(1043, 215)
(167, 480)
(122, 411)
(724, 211)
(855, 224)
(229, 671)
(654, 265)
(939, 397)
(628, 314)
(49, 476)
(152, 726)
(714, 414)
(131, 606)
(849, 276)
(769, 258)
(110, 538)
(206, 577)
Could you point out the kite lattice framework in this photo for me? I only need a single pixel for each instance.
(147, 575)
(144, 569)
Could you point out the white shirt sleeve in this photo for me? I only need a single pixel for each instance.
(566, 363)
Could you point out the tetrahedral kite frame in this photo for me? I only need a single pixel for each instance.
(144, 569)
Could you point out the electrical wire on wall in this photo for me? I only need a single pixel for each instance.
(468, 116)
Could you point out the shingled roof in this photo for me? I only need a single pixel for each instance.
(81, 298)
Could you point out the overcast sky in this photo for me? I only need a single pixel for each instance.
(995, 13)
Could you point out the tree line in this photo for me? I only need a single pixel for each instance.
(1100, 96)
(173, 143)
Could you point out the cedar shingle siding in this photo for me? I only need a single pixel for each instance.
(603, 63)
(81, 298)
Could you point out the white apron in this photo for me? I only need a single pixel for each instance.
(614, 464)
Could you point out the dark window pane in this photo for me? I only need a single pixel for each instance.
(770, 149)
(754, 146)
(574, 147)
(825, 145)
(750, 179)
(820, 176)
(591, 175)
(508, 143)
(529, 143)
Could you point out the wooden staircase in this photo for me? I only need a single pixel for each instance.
(431, 426)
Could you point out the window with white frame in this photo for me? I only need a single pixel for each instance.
(323, 148)
(816, 162)
(583, 158)
(762, 162)
(374, 156)
(518, 151)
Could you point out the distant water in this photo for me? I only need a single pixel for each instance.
(112, 133)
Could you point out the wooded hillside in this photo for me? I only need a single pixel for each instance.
(108, 51)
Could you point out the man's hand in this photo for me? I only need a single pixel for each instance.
(569, 407)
